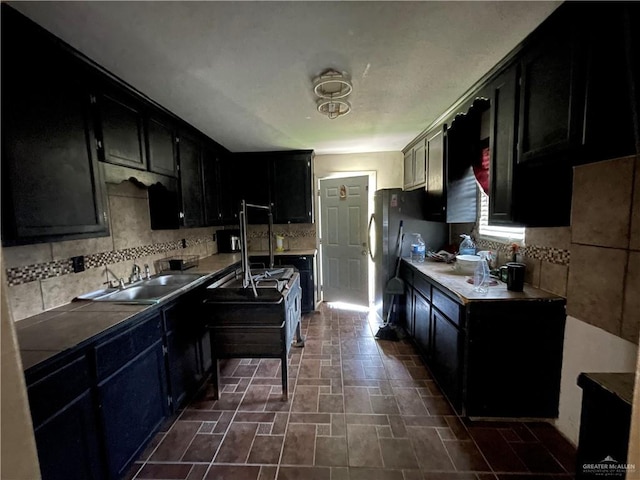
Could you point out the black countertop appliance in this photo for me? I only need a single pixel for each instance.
(228, 241)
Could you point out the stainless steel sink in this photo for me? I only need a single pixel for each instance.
(173, 279)
(140, 294)
(144, 292)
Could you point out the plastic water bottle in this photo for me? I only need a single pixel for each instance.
(467, 247)
(418, 249)
(481, 276)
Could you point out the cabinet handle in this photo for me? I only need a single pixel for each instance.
(181, 214)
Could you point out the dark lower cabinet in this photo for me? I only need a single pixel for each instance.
(68, 444)
(446, 356)
(490, 358)
(65, 423)
(132, 391)
(605, 425)
(305, 264)
(185, 340)
(422, 323)
(133, 404)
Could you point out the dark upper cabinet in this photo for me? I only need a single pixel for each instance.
(608, 121)
(230, 177)
(120, 129)
(291, 188)
(551, 91)
(435, 182)
(280, 179)
(212, 187)
(51, 186)
(161, 145)
(164, 207)
(190, 155)
(253, 185)
(502, 146)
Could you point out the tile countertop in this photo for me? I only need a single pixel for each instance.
(301, 251)
(443, 275)
(52, 332)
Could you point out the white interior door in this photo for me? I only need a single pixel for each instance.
(343, 229)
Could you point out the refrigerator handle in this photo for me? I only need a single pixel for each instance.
(371, 220)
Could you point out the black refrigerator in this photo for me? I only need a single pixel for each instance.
(390, 206)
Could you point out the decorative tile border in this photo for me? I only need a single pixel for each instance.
(42, 271)
(304, 230)
(548, 254)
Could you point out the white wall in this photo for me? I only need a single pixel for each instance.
(588, 349)
(387, 165)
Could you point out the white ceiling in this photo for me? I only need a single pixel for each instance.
(241, 72)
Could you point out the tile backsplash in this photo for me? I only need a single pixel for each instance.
(594, 263)
(40, 277)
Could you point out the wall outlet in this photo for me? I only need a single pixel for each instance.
(184, 243)
(78, 264)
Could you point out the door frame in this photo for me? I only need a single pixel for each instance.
(372, 188)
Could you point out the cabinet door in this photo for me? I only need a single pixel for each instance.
(409, 175)
(408, 311)
(252, 184)
(502, 146)
(161, 144)
(68, 444)
(305, 266)
(608, 120)
(230, 171)
(435, 186)
(66, 429)
(133, 403)
(182, 351)
(419, 163)
(212, 187)
(191, 182)
(51, 186)
(551, 96)
(291, 191)
(120, 128)
(446, 357)
(422, 323)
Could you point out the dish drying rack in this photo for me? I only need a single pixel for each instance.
(176, 262)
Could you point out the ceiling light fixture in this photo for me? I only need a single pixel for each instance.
(332, 87)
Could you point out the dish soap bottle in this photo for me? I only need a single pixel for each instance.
(467, 247)
(481, 276)
(418, 249)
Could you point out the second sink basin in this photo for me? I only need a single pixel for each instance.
(173, 279)
(139, 294)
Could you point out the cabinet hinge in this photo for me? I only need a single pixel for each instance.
(92, 99)
(169, 400)
(177, 139)
(308, 163)
(99, 144)
(319, 193)
(165, 350)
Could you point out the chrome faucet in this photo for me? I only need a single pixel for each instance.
(109, 283)
(147, 272)
(135, 274)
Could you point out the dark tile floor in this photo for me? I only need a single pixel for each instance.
(358, 409)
